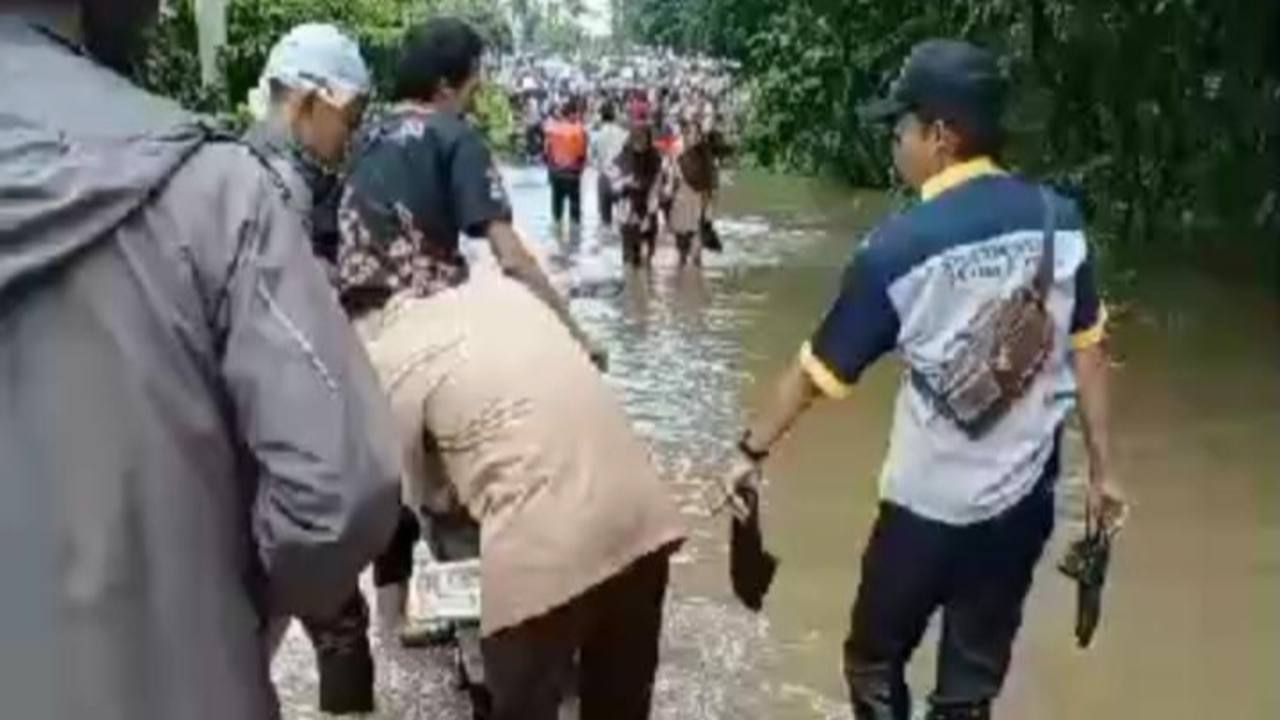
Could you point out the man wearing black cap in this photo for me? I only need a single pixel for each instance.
(985, 290)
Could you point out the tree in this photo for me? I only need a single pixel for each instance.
(1159, 113)
(172, 66)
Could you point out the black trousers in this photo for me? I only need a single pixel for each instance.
(343, 654)
(612, 630)
(638, 245)
(344, 659)
(395, 565)
(604, 199)
(566, 188)
(978, 575)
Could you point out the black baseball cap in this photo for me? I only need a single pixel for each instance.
(950, 80)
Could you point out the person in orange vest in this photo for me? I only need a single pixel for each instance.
(566, 157)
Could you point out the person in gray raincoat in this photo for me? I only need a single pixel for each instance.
(308, 104)
(307, 109)
(191, 439)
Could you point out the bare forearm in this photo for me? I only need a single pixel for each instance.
(794, 394)
(1092, 377)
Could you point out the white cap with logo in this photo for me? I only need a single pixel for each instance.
(314, 56)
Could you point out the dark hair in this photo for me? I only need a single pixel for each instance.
(442, 52)
(976, 136)
(115, 32)
(608, 113)
(644, 164)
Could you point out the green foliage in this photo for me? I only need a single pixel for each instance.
(172, 66)
(488, 17)
(554, 25)
(494, 116)
(1159, 111)
(254, 26)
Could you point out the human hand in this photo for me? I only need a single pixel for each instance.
(742, 474)
(1106, 506)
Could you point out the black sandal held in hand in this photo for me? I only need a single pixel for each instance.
(710, 237)
(1086, 562)
(751, 567)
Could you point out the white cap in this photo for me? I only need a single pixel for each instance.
(314, 56)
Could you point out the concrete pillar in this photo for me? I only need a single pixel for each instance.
(211, 19)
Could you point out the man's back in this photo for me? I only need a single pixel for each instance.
(164, 335)
(919, 283)
(531, 436)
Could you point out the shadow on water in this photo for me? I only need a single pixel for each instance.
(1190, 626)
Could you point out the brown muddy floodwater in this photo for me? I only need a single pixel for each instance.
(1191, 625)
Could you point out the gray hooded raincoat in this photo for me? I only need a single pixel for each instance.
(190, 437)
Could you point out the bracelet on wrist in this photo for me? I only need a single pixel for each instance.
(752, 454)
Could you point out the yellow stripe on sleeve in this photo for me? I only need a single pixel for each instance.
(822, 376)
(1091, 336)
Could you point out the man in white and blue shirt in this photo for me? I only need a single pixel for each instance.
(607, 142)
(963, 520)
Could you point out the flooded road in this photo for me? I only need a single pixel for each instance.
(1191, 626)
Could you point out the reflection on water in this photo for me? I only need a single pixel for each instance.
(1190, 626)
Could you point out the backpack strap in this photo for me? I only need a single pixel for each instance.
(1044, 272)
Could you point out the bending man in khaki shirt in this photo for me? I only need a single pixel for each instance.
(576, 526)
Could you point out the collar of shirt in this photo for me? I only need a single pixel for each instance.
(958, 174)
(424, 109)
(273, 139)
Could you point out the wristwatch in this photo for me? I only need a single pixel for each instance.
(752, 454)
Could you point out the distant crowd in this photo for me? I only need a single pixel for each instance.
(654, 126)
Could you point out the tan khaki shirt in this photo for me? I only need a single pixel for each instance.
(532, 441)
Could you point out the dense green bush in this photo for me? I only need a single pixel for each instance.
(254, 26)
(1161, 112)
(172, 66)
(494, 116)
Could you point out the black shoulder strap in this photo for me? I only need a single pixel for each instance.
(1044, 272)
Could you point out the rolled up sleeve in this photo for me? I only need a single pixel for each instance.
(312, 415)
(479, 196)
(1089, 314)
